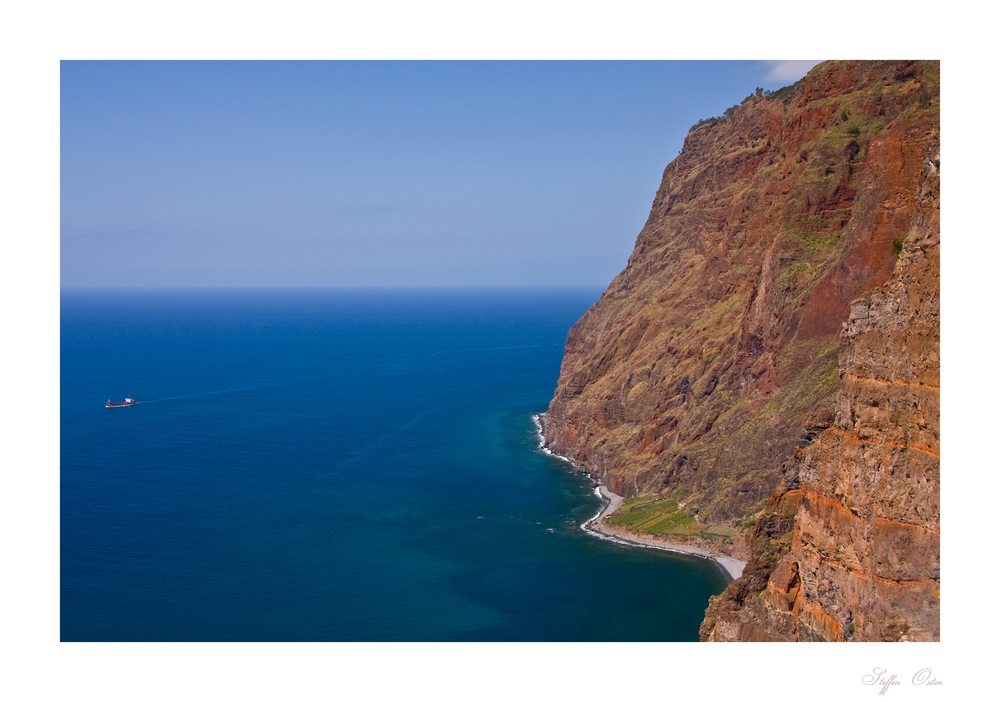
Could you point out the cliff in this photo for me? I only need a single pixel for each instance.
(763, 373)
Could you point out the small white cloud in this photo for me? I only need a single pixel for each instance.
(788, 71)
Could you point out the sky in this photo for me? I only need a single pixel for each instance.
(373, 174)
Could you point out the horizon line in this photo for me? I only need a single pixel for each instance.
(222, 288)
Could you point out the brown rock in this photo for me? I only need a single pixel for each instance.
(776, 333)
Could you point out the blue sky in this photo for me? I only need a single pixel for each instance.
(274, 174)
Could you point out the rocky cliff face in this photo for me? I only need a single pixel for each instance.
(863, 560)
(768, 358)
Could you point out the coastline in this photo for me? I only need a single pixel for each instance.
(731, 567)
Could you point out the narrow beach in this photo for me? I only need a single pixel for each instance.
(731, 567)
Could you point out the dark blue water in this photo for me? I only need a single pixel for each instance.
(337, 466)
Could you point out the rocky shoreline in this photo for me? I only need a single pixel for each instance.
(731, 567)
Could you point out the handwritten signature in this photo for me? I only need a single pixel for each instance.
(882, 678)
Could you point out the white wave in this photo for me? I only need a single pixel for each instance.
(537, 419)
(730, 566)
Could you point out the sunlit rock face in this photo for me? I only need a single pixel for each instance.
(769, 356)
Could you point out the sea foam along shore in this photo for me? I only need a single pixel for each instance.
(731, 567)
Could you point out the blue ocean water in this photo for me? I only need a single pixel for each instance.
(337, 466)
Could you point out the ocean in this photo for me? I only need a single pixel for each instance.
(337, 466)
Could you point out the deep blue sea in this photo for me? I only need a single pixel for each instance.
(337, 466)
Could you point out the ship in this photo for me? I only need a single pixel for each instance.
(127, 403)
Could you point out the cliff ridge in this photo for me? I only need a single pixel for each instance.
(761, 378)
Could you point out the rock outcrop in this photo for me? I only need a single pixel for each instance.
(863, 558)
(768, 360)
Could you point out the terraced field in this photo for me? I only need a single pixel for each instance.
(664, 517)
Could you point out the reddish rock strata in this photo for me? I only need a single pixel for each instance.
(864, 558)
(769, 356)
